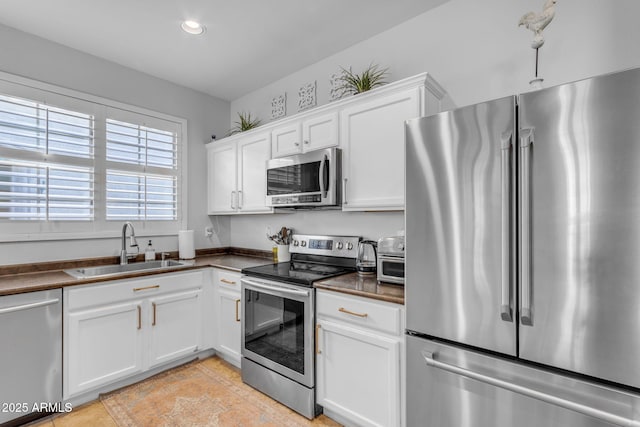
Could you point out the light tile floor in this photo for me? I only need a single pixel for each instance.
(94, 414)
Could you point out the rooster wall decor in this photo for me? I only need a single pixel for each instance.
(537, 22)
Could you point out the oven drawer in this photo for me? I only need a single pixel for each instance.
(386, 317)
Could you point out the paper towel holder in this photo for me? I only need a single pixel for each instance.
(186, 246)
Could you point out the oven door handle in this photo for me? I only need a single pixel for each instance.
(281, 289)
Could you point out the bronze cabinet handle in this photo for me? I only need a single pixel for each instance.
(353, 313)
(237, 310)
(318, 351)
(146, 288)
(228, 282)
(139, 317)
(154, 314)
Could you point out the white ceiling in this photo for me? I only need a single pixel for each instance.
(248, 43)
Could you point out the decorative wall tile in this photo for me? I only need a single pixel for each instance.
(335, 87)
(307, 96)
(279, 106)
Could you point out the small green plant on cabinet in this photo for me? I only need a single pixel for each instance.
(244, 123)
(372, 77)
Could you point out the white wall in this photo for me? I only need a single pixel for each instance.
(477, 52)
(39, 59)
(249, 231)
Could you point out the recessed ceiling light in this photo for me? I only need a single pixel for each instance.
(192, 27)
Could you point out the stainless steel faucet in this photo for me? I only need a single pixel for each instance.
(134, 244)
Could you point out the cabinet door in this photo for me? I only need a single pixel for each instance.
(253, 153)
(229, 338)
(286, 140)
(320, 132)
(176, 321)
(221, 171)
(372, 136)
(358, 374)
(104, 345)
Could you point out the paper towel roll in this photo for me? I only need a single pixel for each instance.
(186, 247)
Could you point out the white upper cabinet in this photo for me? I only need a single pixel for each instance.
(320, 131)
(310, 133)
(373, 151)
(253, 153)
(372, 140)
(237, 174)
(221, 168)
(286, 140)
(368, 127)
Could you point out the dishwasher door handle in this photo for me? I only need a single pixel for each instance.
(29, 306)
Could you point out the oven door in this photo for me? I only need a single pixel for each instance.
(277, 327)
(303, 180)
(391, 269)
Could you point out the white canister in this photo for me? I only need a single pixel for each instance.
(186, 246)
(283, 253)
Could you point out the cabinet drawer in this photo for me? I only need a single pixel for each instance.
(122, 290)
(386, 317)
(227, 279)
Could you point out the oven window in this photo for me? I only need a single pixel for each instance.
(274, 328)
(393, 269)
(301, 178)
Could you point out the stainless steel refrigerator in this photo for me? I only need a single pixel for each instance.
(523, 259)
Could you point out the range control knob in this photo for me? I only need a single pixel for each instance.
(296, 243)
(349, 246)
(401, 246)
(303, 243)
(339, 245)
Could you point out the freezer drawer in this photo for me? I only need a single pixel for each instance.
(451, 387)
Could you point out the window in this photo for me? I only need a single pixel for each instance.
(76, 166)
(46, 166)
(148, 190)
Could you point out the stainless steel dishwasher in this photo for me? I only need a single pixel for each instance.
(31, 353)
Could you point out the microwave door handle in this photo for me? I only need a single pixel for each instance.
(323, 177)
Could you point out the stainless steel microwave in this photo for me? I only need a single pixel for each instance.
(305, 180)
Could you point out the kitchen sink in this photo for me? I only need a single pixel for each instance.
(109, 270)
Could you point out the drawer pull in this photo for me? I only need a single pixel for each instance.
(228, 282)
(318, 351)
(139, 317)
(154, 314)
(146, 288)
(237, 310)
(353, 313)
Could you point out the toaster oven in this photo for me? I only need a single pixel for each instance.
(391, 260)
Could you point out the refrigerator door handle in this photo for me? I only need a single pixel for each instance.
(430, 358)
(526, 141)
(505, 303)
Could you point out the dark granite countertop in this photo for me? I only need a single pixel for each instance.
(22, 280)
(364, 286)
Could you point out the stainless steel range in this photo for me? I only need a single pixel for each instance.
(278, 324)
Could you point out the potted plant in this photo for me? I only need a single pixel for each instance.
(354, 83)
(244, 123)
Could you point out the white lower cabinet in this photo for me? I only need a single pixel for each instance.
(114, 330)
(175, 326)
(228, 309)
(104, 345)
(359, 359)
